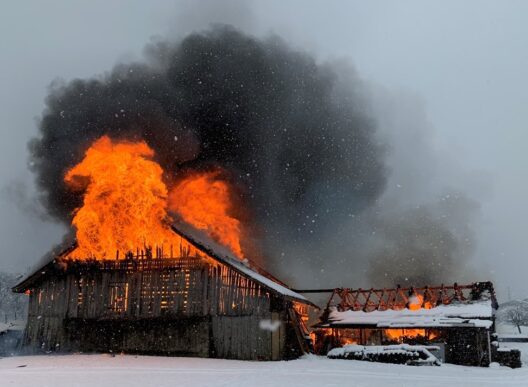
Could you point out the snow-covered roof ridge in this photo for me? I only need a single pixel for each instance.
(473, 313)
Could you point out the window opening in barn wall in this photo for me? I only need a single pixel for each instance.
(167, 298)
(118, 297)
(80, 292)
(187, 284)
(146, 293)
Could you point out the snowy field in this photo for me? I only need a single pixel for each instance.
(132, 371)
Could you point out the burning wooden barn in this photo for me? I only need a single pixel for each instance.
(194, 300)
(458, 320)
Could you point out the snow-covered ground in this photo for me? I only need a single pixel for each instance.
(132, 371)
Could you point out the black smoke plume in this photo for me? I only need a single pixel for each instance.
(299, 141)
(428, 244)
(305, 154)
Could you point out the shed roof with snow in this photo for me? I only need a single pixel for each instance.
(476, 314)
(442, 306)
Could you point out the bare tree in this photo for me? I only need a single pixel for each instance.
(517, 315)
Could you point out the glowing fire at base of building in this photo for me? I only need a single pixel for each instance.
(399, 334)
(125, 203)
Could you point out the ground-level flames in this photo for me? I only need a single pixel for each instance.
(126, 203)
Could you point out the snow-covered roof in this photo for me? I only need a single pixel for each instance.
(468, 314)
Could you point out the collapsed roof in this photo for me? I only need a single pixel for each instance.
(428, 307)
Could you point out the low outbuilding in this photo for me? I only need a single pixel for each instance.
(459, 320)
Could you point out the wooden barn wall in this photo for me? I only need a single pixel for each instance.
(265, 337)
(240, 337)
(48, 306)
(187, 336)
(467, 346)
(147, 311)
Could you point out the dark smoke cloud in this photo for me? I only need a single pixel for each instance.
(16, 192)
(333, 205)
(302, 147)
(422, 229)
(411, 234)
(428, 244)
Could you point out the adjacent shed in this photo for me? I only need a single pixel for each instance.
(457, 319)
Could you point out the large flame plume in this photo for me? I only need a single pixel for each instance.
(125, 203)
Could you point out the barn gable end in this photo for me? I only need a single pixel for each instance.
(207, 305)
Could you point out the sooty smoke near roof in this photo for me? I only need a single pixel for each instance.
(428, 244)
(263, 111)
(296, 141)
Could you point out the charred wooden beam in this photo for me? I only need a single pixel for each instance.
(398, 298)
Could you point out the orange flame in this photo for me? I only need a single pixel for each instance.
(398, 334)
(203, 199)
(125, 202)
(416, 302)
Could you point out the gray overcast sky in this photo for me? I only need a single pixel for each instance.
(466, 62)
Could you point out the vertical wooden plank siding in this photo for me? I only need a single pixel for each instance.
(178, 296)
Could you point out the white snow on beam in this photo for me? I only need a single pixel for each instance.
(469, 314)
